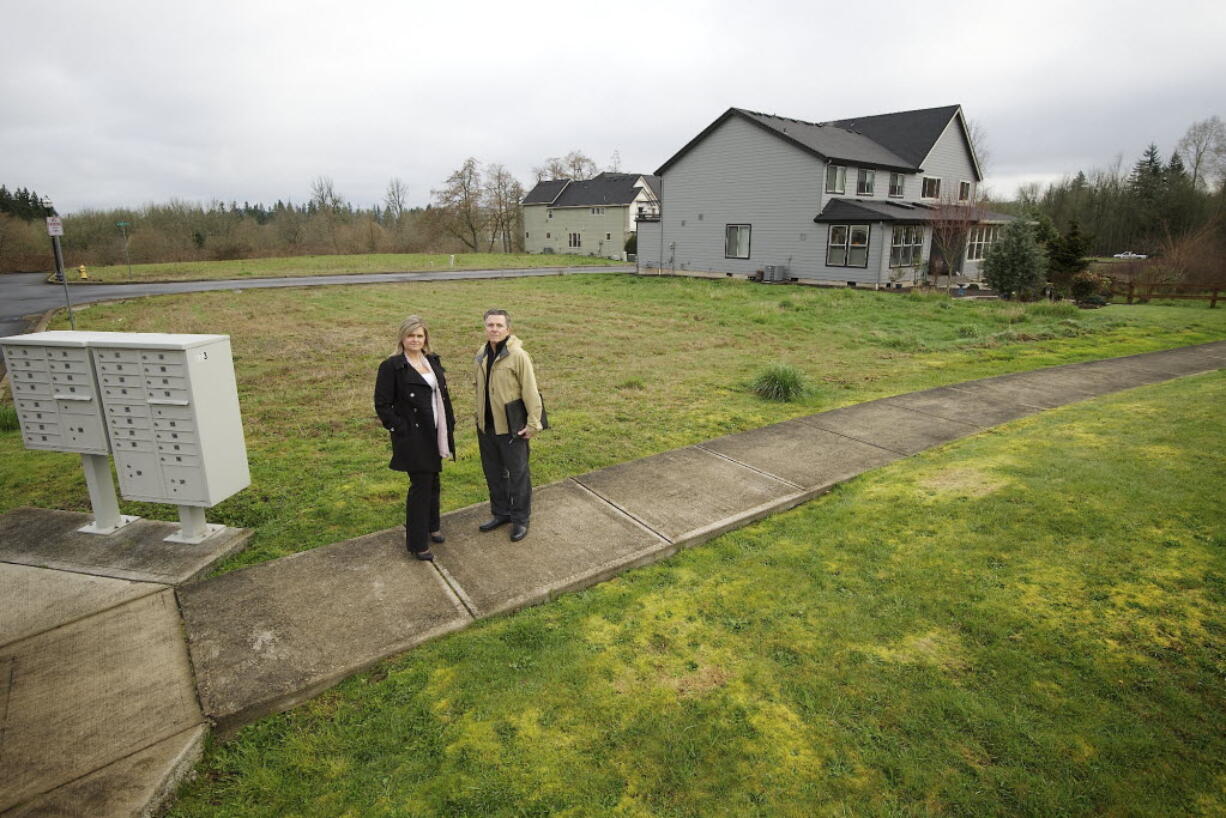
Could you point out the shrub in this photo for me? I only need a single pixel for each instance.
(1016, 263)
(1087, 284)
(781, 382)
(8, 419)
(632, 243)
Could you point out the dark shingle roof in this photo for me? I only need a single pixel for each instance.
(545, 192)
(910, 134)
(605, 189)
(898, 141)
(876, 210)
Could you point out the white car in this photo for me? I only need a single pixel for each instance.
(1130, 254)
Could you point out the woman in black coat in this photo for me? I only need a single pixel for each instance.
(412, 402)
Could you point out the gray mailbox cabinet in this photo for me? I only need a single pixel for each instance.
(55, 393)
(171, 406)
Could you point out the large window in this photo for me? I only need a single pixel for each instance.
(847, 246)
(836, 179)
(896, 184)
(906, 245)
(964, 191)
(980, 239)
(864, 181)
(736, 240)
(576, 240)
(932, 188)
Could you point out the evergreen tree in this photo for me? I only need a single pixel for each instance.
(6, 200)
(1015, 264)
(1066, 256)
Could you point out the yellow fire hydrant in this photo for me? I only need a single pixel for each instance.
(84, 275)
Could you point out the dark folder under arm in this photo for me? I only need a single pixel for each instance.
(517, 415)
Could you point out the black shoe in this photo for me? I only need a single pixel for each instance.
(519, 531)
(437, 537)
(424, 556)
(493, 522)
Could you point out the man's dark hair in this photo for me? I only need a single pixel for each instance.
(503, 313)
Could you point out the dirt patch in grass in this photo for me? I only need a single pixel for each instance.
(964, 481)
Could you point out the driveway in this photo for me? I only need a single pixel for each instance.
(25, 296)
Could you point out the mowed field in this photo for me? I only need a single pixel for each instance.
(1028, 622)
(289, 266)
(629, 366)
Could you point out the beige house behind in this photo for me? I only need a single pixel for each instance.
(593, 217)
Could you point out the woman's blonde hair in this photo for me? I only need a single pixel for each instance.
(408, 325)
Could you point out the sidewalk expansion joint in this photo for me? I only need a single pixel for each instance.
(762, 472)
(159, 588)
(632, 518)
(1037, 408)
(455, 588)
(809, 421)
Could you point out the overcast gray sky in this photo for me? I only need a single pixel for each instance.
(126, 102)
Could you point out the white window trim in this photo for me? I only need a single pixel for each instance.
(868, 240)
(980, 240)
(924, 184)
(869, 175)
(748, 229)
(575, 240)
(842, 179)
(902, 185)
(913, 250)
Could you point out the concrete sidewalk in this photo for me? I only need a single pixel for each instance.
(265, 638)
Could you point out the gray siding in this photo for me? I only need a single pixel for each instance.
(541, 231)
(742, 175)
(649, 244)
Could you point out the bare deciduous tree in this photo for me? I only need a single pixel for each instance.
(1203, 147)
(503, 193)
(951, 224)
(615, 162)
(462, 211)
(395, 200)
(324, 195)
(979, 143)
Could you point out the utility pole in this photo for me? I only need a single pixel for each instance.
(55, 229)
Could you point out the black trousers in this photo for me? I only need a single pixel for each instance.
(421, 509)
(504, 458)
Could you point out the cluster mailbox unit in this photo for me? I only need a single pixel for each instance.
(166, 403)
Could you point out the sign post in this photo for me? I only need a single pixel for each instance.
(55, 229)
(123, 229)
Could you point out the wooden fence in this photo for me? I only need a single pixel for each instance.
(1134, 293)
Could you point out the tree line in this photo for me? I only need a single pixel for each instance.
(475, 209)
(1146, 208)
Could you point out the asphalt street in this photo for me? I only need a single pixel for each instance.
(26, 296)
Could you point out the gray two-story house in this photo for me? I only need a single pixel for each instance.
(852, 201)
(592, 217)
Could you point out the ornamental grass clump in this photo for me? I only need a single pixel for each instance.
(8, 419)
(781, 382)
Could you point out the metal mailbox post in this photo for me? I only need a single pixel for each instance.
(167, 403)
(59, 407)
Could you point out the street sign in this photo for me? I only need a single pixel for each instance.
(121, 224)
(55, 227)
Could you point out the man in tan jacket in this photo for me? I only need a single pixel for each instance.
(504, 375)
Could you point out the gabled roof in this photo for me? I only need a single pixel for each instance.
(546, 192)
(898, 141)
(877, 210)
(605, 189)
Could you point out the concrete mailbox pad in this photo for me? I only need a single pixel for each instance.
(265, 638)
(690, 495)
(891, 427)
(812, 458)
(576, 539)
(49, 539)
(62, 719)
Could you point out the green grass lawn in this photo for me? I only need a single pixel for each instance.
(630, 366)
(1031, 621)
(327, 265)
